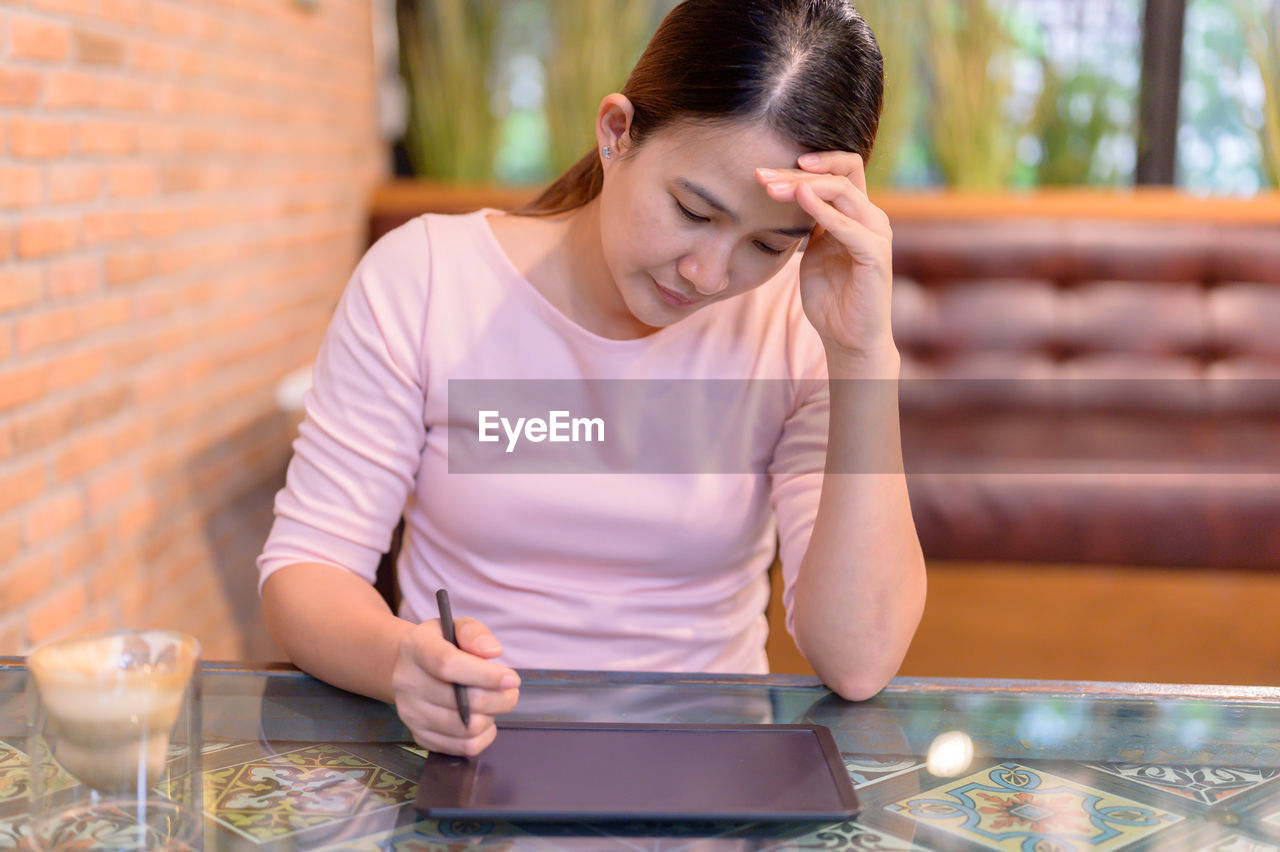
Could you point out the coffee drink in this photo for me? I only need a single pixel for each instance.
(111, 703)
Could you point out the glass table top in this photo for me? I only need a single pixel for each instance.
(291, 763)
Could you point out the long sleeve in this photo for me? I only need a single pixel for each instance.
(799, 458)
(360, 444)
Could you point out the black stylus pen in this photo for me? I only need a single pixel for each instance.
(446, 627)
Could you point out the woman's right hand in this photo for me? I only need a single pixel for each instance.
(426, 668)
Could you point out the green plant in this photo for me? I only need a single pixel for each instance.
(446, 58)
(1262, 35)
(1071, 121)
(967, 51)
(593, 46)
(891, 21)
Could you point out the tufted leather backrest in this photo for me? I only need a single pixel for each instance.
(1087, 299)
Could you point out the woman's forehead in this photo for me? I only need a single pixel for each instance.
(731, 144)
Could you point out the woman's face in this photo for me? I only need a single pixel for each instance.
(685, 222)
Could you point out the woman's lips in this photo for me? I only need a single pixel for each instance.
(673, 299)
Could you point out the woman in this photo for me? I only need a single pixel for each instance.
(669, 252)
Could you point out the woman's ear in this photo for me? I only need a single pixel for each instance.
(613, 123)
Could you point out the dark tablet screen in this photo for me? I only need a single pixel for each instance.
(619, 771)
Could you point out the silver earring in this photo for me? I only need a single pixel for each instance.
(607, 151)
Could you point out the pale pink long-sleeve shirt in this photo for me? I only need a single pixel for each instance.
(623, 570)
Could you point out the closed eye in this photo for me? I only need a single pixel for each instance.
(689, 214)
(694, 217)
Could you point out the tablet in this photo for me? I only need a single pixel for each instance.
(614, 771)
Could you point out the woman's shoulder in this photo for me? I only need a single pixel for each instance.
(430, 234)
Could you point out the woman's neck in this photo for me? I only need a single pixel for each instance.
(586, 289)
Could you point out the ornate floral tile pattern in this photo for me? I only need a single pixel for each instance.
(283, 794)
(1014, 807)
(13, 834)
(838, 836)
(867, 770)
(1239, 843)
(442, 835)
(105, 828)
(1205, 784)
(15, 780)
(13, 773)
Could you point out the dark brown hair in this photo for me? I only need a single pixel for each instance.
(808, 69)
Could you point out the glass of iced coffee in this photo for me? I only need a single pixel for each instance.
(114, 742)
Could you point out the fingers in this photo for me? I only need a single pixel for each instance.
(424, 717)
(487, 701)
(448, 744)
(453, 665)
(474, 638)
(865, 245)
(426, 670)
(846, 163)
(837, 190)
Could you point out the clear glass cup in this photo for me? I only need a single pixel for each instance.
(114, 742)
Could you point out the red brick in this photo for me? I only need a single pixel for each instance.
(40, 237)
(66, 88)
(20, 286)
(158, 223)
(21, 384)
(74, 277)
(149, 58)
(120, 94)
(39, 39)
(19, 87)
(35, 427)
(134, 180)
(39, 138)
(86, 452)
(20, 186)
(108, 490)
(99, 404)
(26, 579)
(101, 136)
(53, 516)
(20, 484)
(71, 184)
(10, 544)
(97, 49)
(135, 516)
(127, 13)
(45, 329)
(125, 267)
(70, 8)
(103, 313)
(107, 226)
(82, 551)
(63, 611)
(76, 368)
(127, 354)
(174, 21)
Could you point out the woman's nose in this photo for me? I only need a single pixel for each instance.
(707, 272)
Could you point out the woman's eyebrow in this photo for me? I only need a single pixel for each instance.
(716, 204)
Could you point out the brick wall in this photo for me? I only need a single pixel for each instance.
(182, 195)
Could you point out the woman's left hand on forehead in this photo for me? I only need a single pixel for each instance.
(846, 272)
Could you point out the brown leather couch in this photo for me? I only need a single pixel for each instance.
(1086, 378)
(1081, 389)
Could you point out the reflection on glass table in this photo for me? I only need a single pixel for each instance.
(290, 763)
